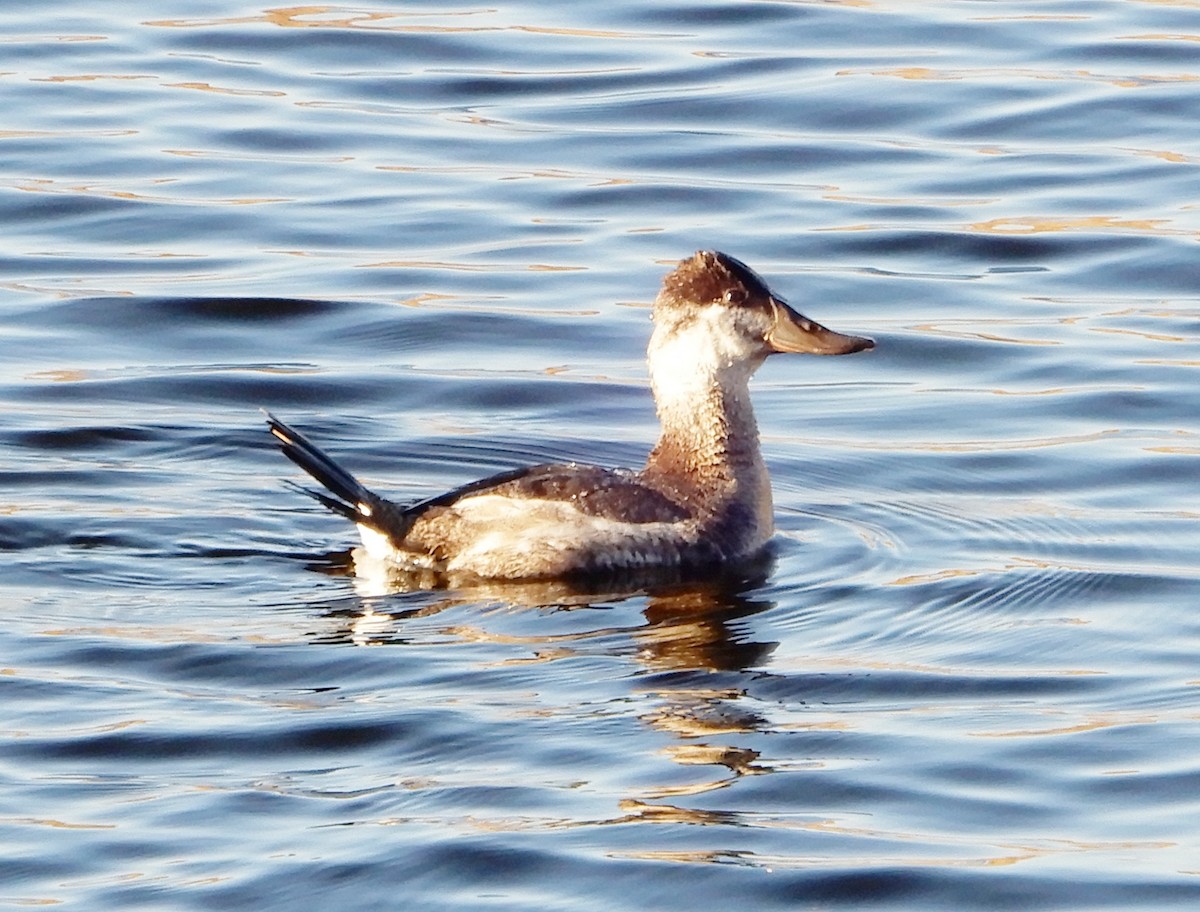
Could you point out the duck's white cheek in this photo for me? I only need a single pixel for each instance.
(718, 339)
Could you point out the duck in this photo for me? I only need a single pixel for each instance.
(701, 502)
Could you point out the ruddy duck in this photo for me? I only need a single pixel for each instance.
(702, 499)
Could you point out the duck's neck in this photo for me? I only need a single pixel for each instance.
(709, 450)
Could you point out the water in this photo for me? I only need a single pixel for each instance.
(968, 677)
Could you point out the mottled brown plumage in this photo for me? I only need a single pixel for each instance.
(708, 277)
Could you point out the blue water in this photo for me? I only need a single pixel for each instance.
(969, 676)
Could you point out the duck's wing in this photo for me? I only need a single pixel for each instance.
(615, 494)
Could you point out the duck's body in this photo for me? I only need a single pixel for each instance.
(703, 498)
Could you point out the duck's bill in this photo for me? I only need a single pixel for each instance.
(793, 332)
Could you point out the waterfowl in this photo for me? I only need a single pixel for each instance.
(703, 498)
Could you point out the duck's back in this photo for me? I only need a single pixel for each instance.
(552, 520)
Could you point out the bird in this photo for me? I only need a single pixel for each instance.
(701, 501)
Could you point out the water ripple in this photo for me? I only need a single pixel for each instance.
(964, 678)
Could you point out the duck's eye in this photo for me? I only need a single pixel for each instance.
(734, 296)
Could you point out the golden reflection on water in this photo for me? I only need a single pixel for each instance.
(738, 760)
(1175, 451)
(223, 90)
(38, 39)
(929, 201)
(668, 813)
(301, 17)
(1113, 719)
(38, 134)
(1160, 36)
(49, 185)
(1140, 334)
(1044, 224)
(1008, 74)
(472, 267)
(1034, 17)
(275, 155)
(947, 328)
(89, 77)
(339, 17)
(1173, 157)
(996, 445)
(909, 848)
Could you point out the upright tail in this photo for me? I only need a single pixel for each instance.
(350, 499)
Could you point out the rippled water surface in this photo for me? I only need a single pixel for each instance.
(969, 676)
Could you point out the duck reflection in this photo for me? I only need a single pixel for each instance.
(702, 628)
(690, 624)
(692, 643)
(696, 627)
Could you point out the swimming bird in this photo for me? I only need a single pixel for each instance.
(702, 500)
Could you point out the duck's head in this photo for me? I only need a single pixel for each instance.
(722, 315)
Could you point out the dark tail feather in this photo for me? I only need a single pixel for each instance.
(350, 499)
(305, 454)
(329, 503)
